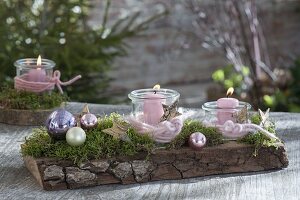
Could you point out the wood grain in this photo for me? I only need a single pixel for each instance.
(24, 117)
(33, 168)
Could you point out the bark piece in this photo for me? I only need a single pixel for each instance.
(79, 176)
(122, 170)
(54, 172)
(165, 172)
(231, 157)
(142, 170)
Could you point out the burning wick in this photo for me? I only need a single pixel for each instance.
(39, 62)
(156, 87)
(229, 92)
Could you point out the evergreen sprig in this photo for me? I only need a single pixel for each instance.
(59, 30)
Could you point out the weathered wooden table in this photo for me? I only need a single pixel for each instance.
(17, 183)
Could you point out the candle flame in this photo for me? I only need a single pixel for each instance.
(156, 87)
(39, 61)
(229, 91)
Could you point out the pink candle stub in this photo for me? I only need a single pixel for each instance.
(227, 103)
(226, 108)
(37, 75)
(153, 109)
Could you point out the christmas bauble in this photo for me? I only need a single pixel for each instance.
(88, 121)
(197, 141)
(75, 136)
(59, 122)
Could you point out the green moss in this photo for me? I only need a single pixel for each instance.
(97, 145)
(101, 145)
(13, 99)
(255, 119)
(258, 139)
(213, 136)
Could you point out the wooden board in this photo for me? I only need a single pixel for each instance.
(231, 157)
(24, 117)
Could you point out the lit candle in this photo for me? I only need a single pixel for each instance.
(153, 109)
(226, 107)
(38, 74)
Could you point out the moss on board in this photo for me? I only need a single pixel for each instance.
(213, 136)
(97, 145)
(258, 139)
(101, 145)
(23, 100)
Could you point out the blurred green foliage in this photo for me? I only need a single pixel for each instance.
(287, 99)
(228, 77)
(59, 30)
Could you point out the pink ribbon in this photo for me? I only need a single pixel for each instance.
(56, 79)
(163, 132)
(233, 130)
(22, 83)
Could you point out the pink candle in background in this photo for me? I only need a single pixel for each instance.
(226, 107)
(153, 109)
(38, 74)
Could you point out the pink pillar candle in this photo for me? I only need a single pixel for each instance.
(226, 109)
(37, 75)
(153, 109)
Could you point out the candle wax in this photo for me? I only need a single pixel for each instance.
(227, 103)
(37, 75)
(226, 109)
(153, 109)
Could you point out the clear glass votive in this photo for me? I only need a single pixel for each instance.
(217, 116)
(147, 104)
(29, 69)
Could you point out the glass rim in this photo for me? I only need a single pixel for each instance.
(212, 106)
(167, 93)
(30, 63)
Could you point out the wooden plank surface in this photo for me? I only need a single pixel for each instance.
(17, 183)
(24, 117)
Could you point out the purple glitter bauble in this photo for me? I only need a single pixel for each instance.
(59, 122)
(88, 121)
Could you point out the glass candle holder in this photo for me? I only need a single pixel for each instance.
(147, 104)
(30, 71)
(217, 116)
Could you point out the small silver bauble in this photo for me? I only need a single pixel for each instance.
(75, 136)
(59, 122)
(88, 121)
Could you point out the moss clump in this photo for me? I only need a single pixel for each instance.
(255, 119)
(23, 100)
(97, 145)
(213, 136)
(101, 145)
(258, 139)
